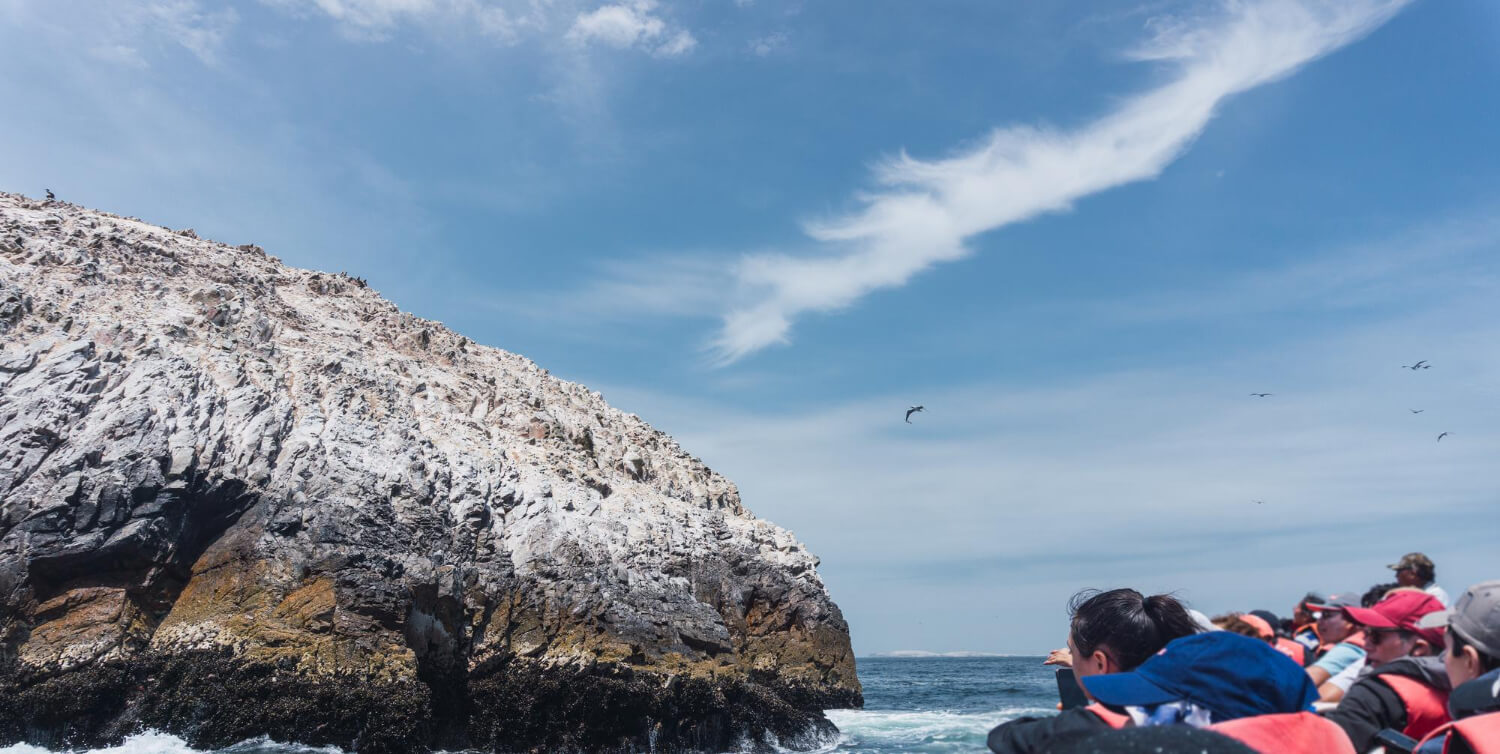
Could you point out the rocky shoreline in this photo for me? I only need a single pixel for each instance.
(242, 499)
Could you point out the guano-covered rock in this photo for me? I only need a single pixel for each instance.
(240, 499)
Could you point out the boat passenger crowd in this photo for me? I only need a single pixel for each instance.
(1397, 669)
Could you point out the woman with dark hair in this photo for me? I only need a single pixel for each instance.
(1110, 632)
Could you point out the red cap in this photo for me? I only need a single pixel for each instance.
(1399, 610)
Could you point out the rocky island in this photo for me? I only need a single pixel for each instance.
(241, 499)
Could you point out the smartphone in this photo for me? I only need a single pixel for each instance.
(1069, 691)
(1395, 742)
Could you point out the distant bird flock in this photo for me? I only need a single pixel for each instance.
(1414, 367)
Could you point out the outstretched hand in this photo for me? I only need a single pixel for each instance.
(1059, 657)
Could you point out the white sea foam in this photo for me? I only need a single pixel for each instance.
(155, 742)
(925, 730)
(149, 742)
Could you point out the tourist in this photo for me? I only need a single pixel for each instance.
(1229, 683)
(1406, 687)
(1416, 570)
(1280, 637)
(1304, 628)
(1245, 624)
(1343, 644)
(1472, 639)
(1110, 632)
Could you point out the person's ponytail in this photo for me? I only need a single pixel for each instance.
(1125, 625)
(1170, 616)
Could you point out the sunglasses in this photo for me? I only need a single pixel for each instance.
(1374, 636)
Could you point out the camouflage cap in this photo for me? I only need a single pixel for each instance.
(1413, 560)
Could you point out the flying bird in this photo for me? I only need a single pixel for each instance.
(1416, 410)
(1419, 365)
(1260, 502)
(1441, 436)
(912, 410)
(50, 195)
(1262, 395)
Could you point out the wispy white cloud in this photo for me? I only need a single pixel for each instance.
(923, 212)
(504, 20)
(130, 34)
(631, 24)
(769, 44)
(199, 30)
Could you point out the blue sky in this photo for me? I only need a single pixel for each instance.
(1079, 233)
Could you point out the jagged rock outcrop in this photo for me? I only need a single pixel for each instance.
(242, 499)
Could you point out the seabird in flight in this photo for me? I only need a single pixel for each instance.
(1262, 395)
(912, 410)
(1419, 365)
(1441, 436)
(1416, 410)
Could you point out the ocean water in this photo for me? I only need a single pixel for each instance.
(926, 705)
(941, 704)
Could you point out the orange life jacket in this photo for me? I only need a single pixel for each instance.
(1480, 733)
(1111, 718)
(1292, 649)
(1426, 707)
(1291, 733)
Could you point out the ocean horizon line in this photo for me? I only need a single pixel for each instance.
(928, 654)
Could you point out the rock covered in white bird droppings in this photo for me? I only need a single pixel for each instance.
(279, 464)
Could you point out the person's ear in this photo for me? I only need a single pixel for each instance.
(1470, 657)
(1106, 665)
(1420, 648)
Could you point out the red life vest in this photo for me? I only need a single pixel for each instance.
(1292, 733)
(1292, 649)
(1111, 718)
(1480, 733)
(1426, 707)
(1295, 733)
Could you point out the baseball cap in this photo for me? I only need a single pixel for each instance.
(1230, 675)
(1401, 609)
(1415, 560)
(1475, 616)
(1335, 601)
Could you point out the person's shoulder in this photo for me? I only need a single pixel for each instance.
(1028, 734)
(1339, 657)
(1440, 593)
(1346, 677)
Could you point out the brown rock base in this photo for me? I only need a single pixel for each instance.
(506, 705)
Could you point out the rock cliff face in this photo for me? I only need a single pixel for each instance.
(241, 499)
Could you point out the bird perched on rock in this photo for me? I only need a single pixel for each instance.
(1419, 365)
(1441, 436)
(50, 195)
(912, 410)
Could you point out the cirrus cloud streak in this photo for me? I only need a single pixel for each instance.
(924, 212)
